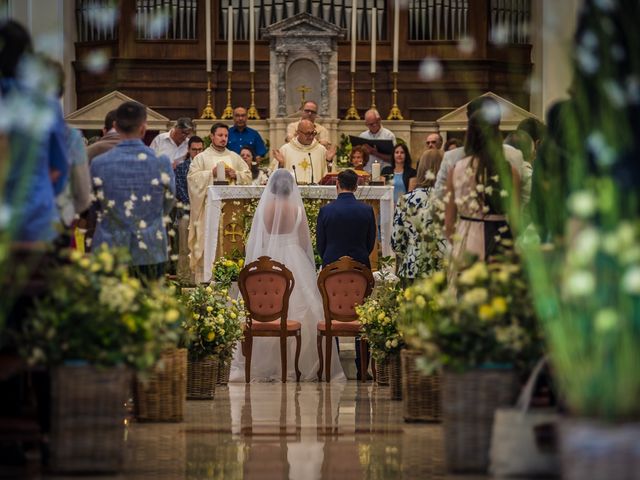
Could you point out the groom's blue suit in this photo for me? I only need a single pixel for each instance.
(346, 226)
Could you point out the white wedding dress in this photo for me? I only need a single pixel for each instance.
(280, 231)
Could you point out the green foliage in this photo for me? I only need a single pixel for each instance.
(215, 323)
(343, 152)
(226, 270)
(95, 312)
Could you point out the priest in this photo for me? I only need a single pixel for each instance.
(202, 174)
(303, 156)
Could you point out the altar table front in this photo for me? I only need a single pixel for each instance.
(218, 221)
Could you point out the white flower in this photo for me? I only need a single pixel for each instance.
(582, 203)
(430, 175)
(580, 283)
(146, 198)
(166, 219)
(631, 281)
(155, 181)
(171, 233)
(174, 258)
(142, 224)
(165, 178)
(111, 203)
(97, 181)
(430, 69)
(504, 193)
(127, 213)
(488, 190)
(159, 235)
(585, 246)
(480, 187)
(142, 245)
(100, 195)
(142, 156)
(133, 197)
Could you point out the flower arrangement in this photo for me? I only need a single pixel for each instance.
(487, 318)
(226, 270)
(378, 316)
(215, 323)
(94, 311)
(343, 152)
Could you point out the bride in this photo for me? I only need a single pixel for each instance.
(280, 230)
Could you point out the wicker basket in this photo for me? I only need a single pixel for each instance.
(395, 376)
(224, 371)
(87, 418)
(598, 450)
(420, 393)
(161, 396)
(469, 401)
(201, 378)
(382, 372)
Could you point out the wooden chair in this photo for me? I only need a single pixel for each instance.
(343, 284)
(266, 287)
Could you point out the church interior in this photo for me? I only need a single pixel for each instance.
(522, 364)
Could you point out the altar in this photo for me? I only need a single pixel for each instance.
(230, 207)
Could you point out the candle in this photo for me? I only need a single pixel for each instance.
(375, 171)
(220, 172)
(230, 39)
(252, 46)
(207, 12)
(396, 33)
(354, 34)
(374, 21)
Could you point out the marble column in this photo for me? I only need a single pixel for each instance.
(325, 57)
(282, 82)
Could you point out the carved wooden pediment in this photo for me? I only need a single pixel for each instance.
(512, 115)
(91, 117)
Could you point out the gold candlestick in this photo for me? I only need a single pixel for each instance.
(208, 112)
(352, 113)
(227, 114)
(373, 91)
(252, 113)
(395, 113)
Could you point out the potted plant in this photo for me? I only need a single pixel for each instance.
(476, 328)
(93, 326)
(226, 272)
(215, 328)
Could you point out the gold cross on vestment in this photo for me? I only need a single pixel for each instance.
(304, 164)
(303, 89)
(233, 230)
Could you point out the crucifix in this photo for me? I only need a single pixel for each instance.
(303, 89)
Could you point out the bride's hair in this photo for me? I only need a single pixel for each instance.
(281, 183)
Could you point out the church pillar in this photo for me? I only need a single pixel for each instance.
(282, 82)
(324, 83)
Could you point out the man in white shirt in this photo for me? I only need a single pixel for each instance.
(303, 156)
(174, 143)
(513, 156)
(375, 131)
(201, 175)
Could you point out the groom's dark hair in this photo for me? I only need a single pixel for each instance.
(348, 180)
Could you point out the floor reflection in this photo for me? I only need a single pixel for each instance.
(272, 431)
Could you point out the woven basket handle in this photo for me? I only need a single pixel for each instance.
(524, 400)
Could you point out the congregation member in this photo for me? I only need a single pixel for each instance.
(134, 189)
(346, 227)
(195, 147)
(303, 156)
(375, 131)
(202, 174)
(490, 109)
(258, 177)
(240, 135)
(174, 143)
(452, 144)
(309, 112)
(535, 129)
(402, 171)
(110, 137)
(434, 141)
(359, 158)
(413, 216)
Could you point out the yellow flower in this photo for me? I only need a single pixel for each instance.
(381, 316)
(499, 304)
(208, 290)
(221, 331)
(209, 308)
(107, 260)
(232, 315)
(172, 315)
(485, 312)
(439, 277)
(211, 336)
(420, 301)
(407, 294)
(76, 255)
(196, 316)
(241, 263)
(95, 267)
(84, 262)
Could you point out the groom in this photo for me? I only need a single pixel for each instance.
(346, 226)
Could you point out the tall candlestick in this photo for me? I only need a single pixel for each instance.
(374, 21)
(252, 40)
(396, 30)
(354, 34)
(207, 12)
(230, 39)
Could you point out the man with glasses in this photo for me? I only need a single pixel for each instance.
(375, 131)
(309, 112)
(303, 156)
(173, 143)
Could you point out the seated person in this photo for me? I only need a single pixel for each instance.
(359, 159)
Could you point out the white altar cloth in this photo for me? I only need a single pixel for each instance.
(217, 194)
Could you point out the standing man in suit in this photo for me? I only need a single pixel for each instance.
(346, 226)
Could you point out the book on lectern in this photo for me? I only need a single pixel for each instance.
(383, 146)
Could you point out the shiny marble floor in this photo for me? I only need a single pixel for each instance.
(273, 431)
